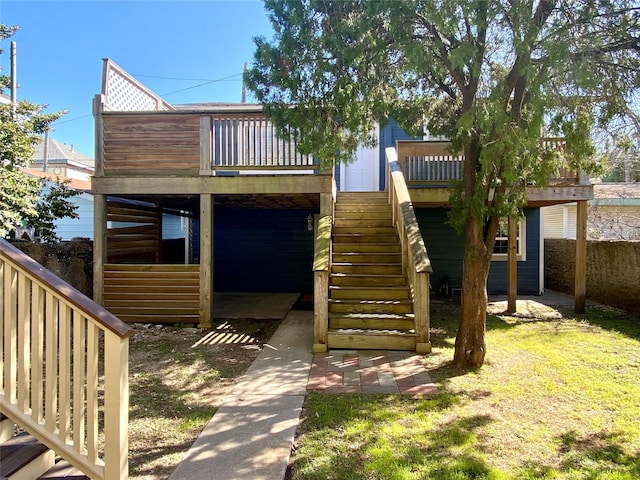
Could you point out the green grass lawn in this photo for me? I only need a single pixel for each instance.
(558, 397)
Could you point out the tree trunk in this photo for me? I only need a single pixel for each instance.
(470, 346)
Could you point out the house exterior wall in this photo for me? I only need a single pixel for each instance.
(81, 227)
(389, 134)
(261, 250)
(445, 248)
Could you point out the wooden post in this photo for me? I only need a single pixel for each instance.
(422, 320)
(206, 154)
(99, 135)
(512, 265)
(206, 260)
(99, 246)
(320, 310)
(116, 407)
(581, 257)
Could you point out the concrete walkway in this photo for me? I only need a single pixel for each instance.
(251, 434)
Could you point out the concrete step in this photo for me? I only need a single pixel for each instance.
(359, 280)
(341, 292)
(359, 257)
(367, 268)
(22, 457)
(370, 306)
(372, 321)
(352, 247)
(359, 339)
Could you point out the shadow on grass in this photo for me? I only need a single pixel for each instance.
(594, 455)
(374, 436)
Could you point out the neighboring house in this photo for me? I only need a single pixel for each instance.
(56, 158)
(614, 214)
(251, 200)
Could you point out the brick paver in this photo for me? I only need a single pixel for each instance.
(364, 371)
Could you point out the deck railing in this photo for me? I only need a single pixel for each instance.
(415, 260)
(248, 142)
(433, 163)
(63, 360)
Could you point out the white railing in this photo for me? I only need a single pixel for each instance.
(415, 260)
(245, 141)
(63, 367)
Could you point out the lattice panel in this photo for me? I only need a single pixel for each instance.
(125, 94)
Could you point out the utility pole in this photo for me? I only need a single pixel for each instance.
(14, 81)
(244, 86)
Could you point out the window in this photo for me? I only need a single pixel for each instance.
(501, 247)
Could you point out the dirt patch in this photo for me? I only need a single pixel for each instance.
(178, 378)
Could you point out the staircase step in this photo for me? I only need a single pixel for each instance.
(366, 247)
(372, 321)
(7, 428)
(387, 230)
(367, 268)
(23, 457)
(341, 292)
(378, 214)
(63, 470)
(362, 197)
(370, 209)
(359, 257)
(365, 238)
(370, 306)
(371, 222)
(371, 339)
(359, 280)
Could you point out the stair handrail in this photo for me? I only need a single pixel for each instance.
(321, 271)
(60, 341)
(415, 260)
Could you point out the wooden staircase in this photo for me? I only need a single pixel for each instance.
(22, 457)
(370, 304)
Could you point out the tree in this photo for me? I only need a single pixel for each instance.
(24, 198)
(493, 76)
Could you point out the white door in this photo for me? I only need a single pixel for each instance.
(362, 174)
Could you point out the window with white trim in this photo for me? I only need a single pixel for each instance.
(501, 248)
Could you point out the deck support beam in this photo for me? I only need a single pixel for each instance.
(581, 257)
(512, 265)
(206, 260)
(99, 246)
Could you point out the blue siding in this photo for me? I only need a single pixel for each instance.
(257, 250)
(388, 136)
(445, 249)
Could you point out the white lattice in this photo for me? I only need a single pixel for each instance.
(123, 93)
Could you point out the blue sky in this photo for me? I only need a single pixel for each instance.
(61, 43)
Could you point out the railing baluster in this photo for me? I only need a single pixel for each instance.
(24, 342)
(64, 386)
(37, 353)
(51, 363)
(92, 391)
(10, 345)
(79, 379)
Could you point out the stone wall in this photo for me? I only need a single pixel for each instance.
(72, 261)
(613, 271)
